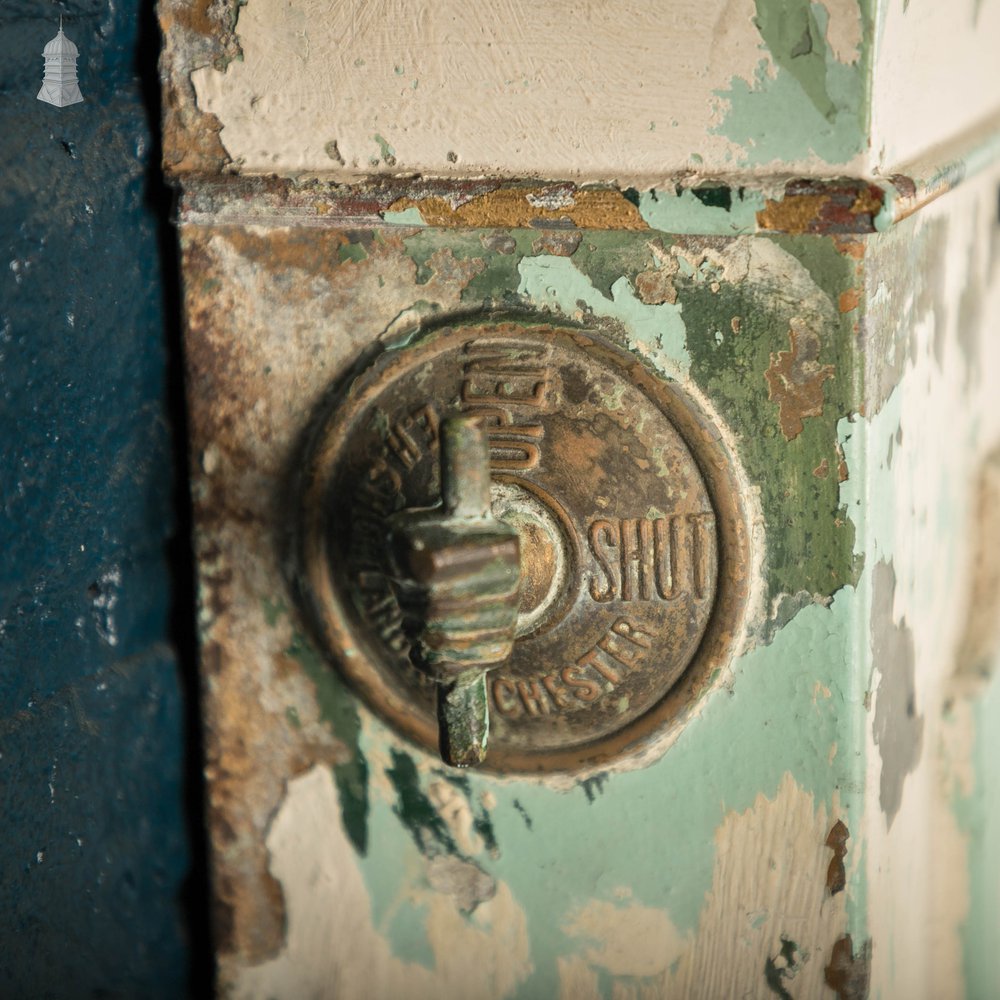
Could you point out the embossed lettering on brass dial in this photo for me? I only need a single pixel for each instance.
(633, 549)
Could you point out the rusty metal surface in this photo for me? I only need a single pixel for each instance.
(840, 206)
(599, 467)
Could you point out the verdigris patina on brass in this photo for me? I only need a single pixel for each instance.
(615, 488)
(457, 582)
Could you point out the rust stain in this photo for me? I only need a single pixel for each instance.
(558, 243)
(849, 300)
(831, 207)
(190, 137)
(240, 733)
(904, 185)
(850, 246)
(250, 748)
(301, 249)
(795, 381)
(449, 269)
(822, 470)
(520, 207)
(842, 209)
(836, 877)
(794, 215)
(868, 201)
(656, 286)
(848, 975)
(196, 34)
(249, 908)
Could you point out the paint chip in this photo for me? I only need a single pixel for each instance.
(795, 379)
(463, 880)
(848, 975)
(836, 876)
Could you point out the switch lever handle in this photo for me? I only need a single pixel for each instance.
(462, 572)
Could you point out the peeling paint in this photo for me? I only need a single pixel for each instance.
(836, 878)
(410, 826)
(732, 61)
(815, 833)
(795, 380)
(596, 208)
(801, 79)
(844, 206)
(848, 974)
(898, 728)
(782, 968)
(334, 950)
(196, 36)
(778, 843)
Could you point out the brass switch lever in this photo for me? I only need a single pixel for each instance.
(459, 577)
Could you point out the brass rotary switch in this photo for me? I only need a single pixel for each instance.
(515, 526)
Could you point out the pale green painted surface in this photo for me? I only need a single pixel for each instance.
(733, 213)
(652, 830)
(555, 283)
(803, 100)
(794, 705)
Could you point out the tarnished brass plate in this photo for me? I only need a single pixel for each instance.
(633, 550)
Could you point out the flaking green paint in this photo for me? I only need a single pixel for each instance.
(386, 151)
(604, 257)
(802, 101)
(770, 722)
(352, 251)
(683, 211)
(810, 538)
(407, 217)
(339, 710)
(497, 280)
(813, 552)
(481, 822)
(782, 968)
(656, 331)
(415, 810)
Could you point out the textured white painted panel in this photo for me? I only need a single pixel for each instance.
(594, 90)
(936, 74)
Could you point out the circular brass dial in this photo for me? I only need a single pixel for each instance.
(633, 547)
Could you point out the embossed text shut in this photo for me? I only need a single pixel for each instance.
(647, 559)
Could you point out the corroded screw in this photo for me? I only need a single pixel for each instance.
(463, 570)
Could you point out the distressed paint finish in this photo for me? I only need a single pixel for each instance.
(401, 86)
(753, 87)
(819, 823)
(932, 297)
(261, 358)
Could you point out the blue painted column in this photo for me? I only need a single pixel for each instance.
(92, 717)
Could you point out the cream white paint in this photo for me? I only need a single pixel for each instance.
(333, 949)
(769, 881)
(594, 90)
(935, 75)
(920, 510)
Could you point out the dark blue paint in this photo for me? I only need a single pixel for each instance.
(92, 718)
